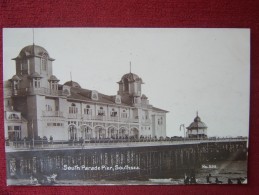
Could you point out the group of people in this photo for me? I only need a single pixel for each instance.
(217, 181)
(190, 179)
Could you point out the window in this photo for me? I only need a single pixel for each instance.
(55, 124)
(36, 83)
(15, 85)
(24, 67)
(53, 86)
(72, 122)
(101, 112)
(87, 110)
(44, 62)
(14, 133)
(160, 121)
(13, 116)
(48, 107)
(73, 109)
(94, 95)
(113, 113)
(124, 114)
(118, 99)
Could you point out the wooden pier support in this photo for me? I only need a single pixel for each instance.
(138, 163)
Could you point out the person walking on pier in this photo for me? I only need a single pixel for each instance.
(230, 181)
(193, 179)
(217, 181)
(208, 178)
(186, 179)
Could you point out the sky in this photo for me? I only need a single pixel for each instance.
(184, 70)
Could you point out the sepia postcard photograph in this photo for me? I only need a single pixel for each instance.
(126, 106)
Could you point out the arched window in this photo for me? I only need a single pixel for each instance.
(124, 114)
(24, 67)
(101, 112)
(88, 110)
(36, 82)
(44, 62)
(113, 113)
(73, 109)
(13, 116)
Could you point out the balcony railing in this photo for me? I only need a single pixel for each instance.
(52, 114)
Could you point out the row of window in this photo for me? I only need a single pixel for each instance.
(14, 128)
(36, 84)
(74, 110)
(72, 122)
(145, 128)
(55, 124)
(44, 64)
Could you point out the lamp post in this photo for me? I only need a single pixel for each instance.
(32, 133)
(183, 126)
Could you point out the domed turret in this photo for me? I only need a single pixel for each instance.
(32, 51)
(35, 75)
(53, 78)
(131, 77)
(15, 78)
(197, 129)
(130, 84)
(72, 84)
(33, 64)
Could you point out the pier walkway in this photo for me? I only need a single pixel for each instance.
(66, 145)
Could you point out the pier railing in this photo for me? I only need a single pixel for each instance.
(101, 143)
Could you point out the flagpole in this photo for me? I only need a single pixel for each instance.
(183, 126)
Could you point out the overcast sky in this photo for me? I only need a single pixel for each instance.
(184, 70)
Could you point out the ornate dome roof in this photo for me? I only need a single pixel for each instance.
(197, 124)
(131, 77)
(72, 84)
(144, 96)
(15, 78)
(35, 75)
(197, 119)
(33, 50)
(53, 78)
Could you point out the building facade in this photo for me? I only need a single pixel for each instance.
(37, 105)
